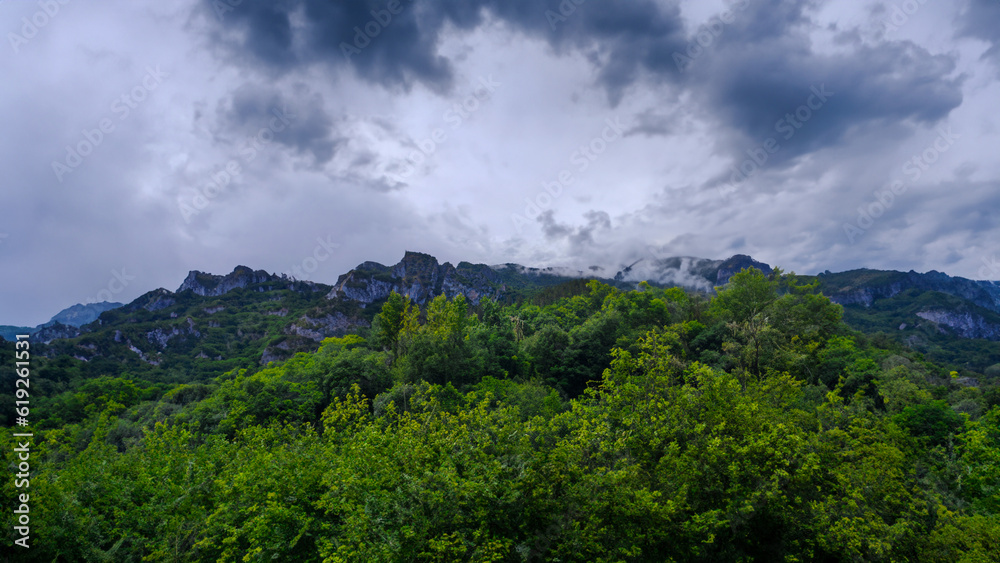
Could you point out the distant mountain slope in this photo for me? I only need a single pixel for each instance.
(951, 319)
(10, 332)
(214, 323)
(79, 315)
(865, 287)
(74, 316)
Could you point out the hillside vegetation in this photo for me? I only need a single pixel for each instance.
(585, 423)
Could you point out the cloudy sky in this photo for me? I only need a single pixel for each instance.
(144, 140)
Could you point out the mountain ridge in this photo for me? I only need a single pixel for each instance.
(919, 309)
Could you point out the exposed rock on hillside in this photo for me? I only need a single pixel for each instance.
(211, 285)
(419, 277)
(55, 331)
(965, 324)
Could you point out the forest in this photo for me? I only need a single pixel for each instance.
(586, 423)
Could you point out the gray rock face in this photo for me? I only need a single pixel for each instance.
(162, 337)
(358, 287)
(337, 324)
(54, 331)
(965, 324)
(209, 285)
(867, 295)
(419, 277)
(152, 301)
(141, 354)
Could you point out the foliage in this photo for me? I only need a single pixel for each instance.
(592, 424)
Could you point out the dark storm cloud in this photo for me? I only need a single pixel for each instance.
(397, 45)
(762, 78)
(752, 69)
(981, 19)
(298, 121)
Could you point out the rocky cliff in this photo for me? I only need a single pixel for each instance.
(964, 324)
(421, 278)
(211, 285)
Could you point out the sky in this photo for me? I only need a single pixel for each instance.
(142, 140)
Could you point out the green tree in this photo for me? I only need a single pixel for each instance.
(389, 322)
(745, 303)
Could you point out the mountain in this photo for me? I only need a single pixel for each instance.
(866, 286)
(419, 277)
(215, 323)
(208, 285)
(75, 316)
(10, 332)
(950, 319)
(79, 315)
(697, 274)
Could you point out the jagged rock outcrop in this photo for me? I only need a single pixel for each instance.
(419, 277)
(161, 337)
(141, 354)
(152, 301)
(209, 285)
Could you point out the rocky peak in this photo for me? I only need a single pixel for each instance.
(208, 285)
(420, 277)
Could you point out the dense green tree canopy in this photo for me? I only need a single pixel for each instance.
(594, 424)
